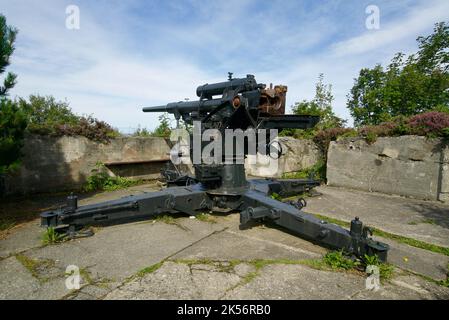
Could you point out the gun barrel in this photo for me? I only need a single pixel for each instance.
(186, 106)
(155, 109)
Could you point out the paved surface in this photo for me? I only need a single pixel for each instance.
(192, 259)
(422, 220)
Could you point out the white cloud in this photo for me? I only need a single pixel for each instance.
(100, 72)
(411, 25)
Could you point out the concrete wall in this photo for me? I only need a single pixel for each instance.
(297, 155)
(407, 165)
(60, 163)
(64, 163)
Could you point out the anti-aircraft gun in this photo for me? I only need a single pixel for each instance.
(237, 105)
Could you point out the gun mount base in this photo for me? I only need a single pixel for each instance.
(254, 204)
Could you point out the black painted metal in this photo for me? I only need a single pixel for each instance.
(219, 187)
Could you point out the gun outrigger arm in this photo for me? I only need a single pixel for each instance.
(244, 104)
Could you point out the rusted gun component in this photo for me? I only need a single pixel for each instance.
(272, 100)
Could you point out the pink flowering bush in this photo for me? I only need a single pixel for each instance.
(431, 124)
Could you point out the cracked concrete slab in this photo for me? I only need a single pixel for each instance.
(298, 282)
(406, 287)
(217, 247)
(179, 281)
(427, 221)
(117, 252)
(113, 257)
(16, 282)
(430, 264)
(25, 237)
(190, 284)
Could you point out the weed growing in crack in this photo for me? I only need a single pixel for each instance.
(205, 217)
(51, 236)
(149, 269)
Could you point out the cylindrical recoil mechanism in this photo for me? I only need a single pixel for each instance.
(207, 91)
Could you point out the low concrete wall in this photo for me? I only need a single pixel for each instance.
(296, 155)
(408, 165)
(64, 163)
(61, 163)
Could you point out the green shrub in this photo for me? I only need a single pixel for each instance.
(101, 180)
(317, 171)
(337, 260)
(371, 137)
(164, 129)
(90, 128)
(46, 116)
(141, 132)
(409, 85)
(324, 137)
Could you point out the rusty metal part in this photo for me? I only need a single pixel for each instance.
(236, 102)
(272, 100)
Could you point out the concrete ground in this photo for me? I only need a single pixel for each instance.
(185, 258)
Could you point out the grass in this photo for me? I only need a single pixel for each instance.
(6, 224)
(428, 221)
(402, 239)
(276, 196)
(85, 274)
(445, 282)
(318, 171)
(222, 266)
(101, 180)
(166, 219)
(51, 236)
(336, 260)
(149, 269)
(205, 217)
(34, 265)
(386, 270)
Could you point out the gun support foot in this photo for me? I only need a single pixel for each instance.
(356, 241)
(188, 200)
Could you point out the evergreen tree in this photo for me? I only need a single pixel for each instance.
(12, 119)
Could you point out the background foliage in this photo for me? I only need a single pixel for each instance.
(407, 86)
(12, 119)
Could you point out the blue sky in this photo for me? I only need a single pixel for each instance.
(129, 54)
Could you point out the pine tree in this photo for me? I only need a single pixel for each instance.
(7, 38)
(12, 119)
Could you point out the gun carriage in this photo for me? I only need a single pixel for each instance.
(238, 103)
